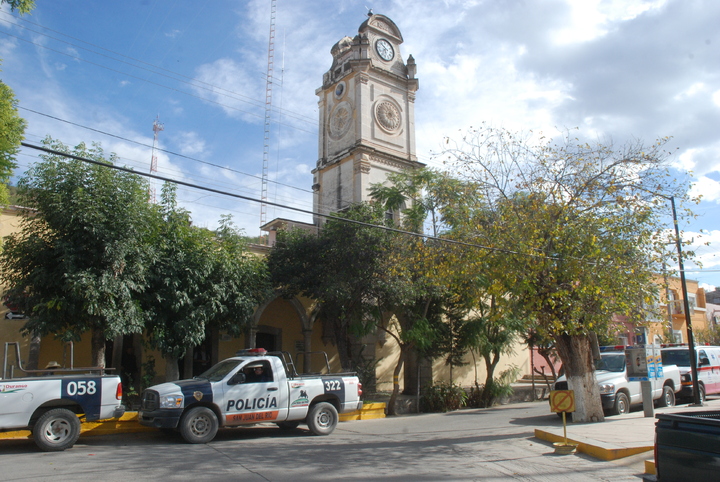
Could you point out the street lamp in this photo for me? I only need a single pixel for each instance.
(686, 305)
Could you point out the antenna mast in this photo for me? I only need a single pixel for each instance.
(157, 127)
(268, 111)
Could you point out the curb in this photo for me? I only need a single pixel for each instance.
(128, 423)
(594, 448)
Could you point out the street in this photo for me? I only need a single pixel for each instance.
(489, 444)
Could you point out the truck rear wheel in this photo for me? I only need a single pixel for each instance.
(322, 418)
(668, 397)
(199, 425)
(622, 404)
(56, 430)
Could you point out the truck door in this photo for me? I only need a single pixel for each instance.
(260, 398)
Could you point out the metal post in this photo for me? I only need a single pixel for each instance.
(686, 306)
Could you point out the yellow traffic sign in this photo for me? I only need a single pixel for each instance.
(562, 401)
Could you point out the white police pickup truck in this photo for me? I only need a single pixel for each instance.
(49, 404)
(252, 387)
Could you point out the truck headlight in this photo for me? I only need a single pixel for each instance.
(171, 401)
(607, 389)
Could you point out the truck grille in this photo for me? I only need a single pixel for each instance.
(150, 400)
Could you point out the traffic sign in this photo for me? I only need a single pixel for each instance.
(562, 401)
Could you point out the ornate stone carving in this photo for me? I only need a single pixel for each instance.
(380, 25)
(387, 162)
(340, 120)
(362, 167)
(387, 115)
(363, 78)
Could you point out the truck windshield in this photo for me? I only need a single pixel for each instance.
(611, 363)
(679, 357)
(219, 371)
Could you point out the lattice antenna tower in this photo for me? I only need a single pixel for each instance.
(268, 111)
(157, 127)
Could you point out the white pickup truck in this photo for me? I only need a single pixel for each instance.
(618, 394)
(255, 386)
(49, 404)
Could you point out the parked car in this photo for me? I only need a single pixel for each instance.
(708, 368)
(618, 393)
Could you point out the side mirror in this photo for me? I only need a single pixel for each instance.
(704, 360)
(237, 379)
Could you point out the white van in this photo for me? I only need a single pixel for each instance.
(708, 368)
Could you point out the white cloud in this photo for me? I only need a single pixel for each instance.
(191, 143)
(709, 188)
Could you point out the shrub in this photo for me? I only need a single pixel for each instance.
(443, 397)
(482, 396)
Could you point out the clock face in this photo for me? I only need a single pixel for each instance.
(384, 49)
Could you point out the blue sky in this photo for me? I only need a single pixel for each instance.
(102, 71)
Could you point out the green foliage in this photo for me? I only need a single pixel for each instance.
(12, 129)
(487, 395)
(343, 268)
(22, 6)
(443, 397)
(81, 256)
(199, 279)
(708, 336)
(148, 373)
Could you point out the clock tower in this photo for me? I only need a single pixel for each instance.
(367, 116)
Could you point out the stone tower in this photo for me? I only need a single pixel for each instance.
(367, 116)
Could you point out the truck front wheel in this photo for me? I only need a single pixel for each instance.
(322, 418)
(199, 425)
(622, 404)
(56, 430)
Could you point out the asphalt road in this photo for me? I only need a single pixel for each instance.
(490, 444)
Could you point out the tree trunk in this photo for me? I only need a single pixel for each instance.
(396, 382)
(172, 371)
(98, 348)
(576, 354)
(34, 353)
(488, 394)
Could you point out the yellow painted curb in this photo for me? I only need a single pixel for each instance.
(602, 453)
(650, 467)
(369, 411)
(128, 423)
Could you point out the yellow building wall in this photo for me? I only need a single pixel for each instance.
(676, 319)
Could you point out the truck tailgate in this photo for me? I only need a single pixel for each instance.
(688, 445)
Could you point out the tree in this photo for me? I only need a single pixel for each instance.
(175, 301)
(12, 126)
(239, 281)
(576, 226)
(81, 256)
(342, 268)
(199, 280)
(22, 6)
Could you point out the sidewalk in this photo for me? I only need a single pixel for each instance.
(620, 435)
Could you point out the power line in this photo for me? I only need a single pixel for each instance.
(159, 84)
(284, 206)
(158, 148)
(211, 87)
